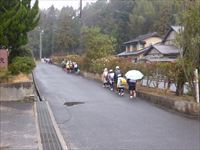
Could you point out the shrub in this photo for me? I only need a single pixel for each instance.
(57, 59)
(19, 52)
(110, 62)
(21, 64)
(76, 58)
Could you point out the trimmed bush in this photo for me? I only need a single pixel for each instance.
(19, 52)
(21, 65)
(110, 62)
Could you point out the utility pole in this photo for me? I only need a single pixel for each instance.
(52, 43)
(81, 23)
(80, 8)
(41, 32)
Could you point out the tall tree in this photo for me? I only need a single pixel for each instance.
(68, 30)
(18, 18)
(47, 23)
(111, 17)
(121, 19)
(97, 45)
(189, 40)
(121, 10)
(166, 15)
(141, 18)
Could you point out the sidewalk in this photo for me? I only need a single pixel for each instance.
(17, 126)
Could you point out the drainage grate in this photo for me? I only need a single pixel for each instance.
(48, 134)
(73, 103)
(49, 138)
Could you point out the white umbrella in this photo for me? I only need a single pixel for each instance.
(134, 75)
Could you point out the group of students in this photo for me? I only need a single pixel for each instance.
(115, 80)
(70, 66)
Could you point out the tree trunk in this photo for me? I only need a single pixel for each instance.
(179, 88)
(169, 84)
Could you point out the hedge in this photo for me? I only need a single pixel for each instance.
(21, 65)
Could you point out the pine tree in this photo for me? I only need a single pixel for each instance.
(18, 18)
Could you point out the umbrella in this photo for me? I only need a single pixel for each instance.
(134, 75)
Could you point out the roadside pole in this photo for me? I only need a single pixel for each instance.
(80, 8)
(41, 32)
(196, 85)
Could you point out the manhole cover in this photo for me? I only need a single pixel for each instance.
(73, 103)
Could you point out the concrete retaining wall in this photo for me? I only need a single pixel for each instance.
(188, 108)
(93, 76)
(16, 91)
(185, 107)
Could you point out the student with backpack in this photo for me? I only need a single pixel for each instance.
(116, 73)
(111, 79)
(121, 83)
(105, 77)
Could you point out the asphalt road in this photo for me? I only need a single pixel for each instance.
(105, 121)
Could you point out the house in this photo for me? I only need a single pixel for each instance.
(136, 47)
(165, 51)
(151, 47)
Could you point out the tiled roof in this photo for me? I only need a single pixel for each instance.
(163, 49)
(166, 49)
(142, 37)
(133, 52)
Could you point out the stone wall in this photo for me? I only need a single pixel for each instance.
(16, 91)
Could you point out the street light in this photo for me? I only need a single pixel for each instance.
(41, 32)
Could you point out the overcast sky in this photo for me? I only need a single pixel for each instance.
(44, 4)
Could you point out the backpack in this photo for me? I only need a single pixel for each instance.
(123, 81)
